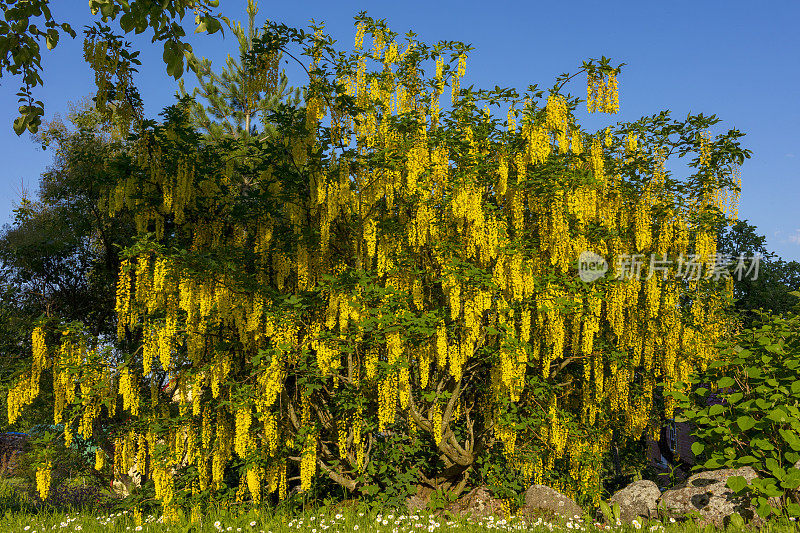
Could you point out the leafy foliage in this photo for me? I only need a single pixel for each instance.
(27, 23)
(747, 411)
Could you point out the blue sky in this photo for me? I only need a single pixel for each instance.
(738, 60)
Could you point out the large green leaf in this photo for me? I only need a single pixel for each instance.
(792, 480)
(716, 409)
(745, 423)
(736, 483)
(791, 438)
(725, 382)
(778, 415)
(697, 448)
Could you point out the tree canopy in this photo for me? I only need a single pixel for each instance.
(26, 24)
(391, 282)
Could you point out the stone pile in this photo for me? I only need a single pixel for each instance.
(703, 496)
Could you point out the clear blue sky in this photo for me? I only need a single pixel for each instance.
(738, 60)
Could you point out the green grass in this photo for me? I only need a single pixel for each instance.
(330, 521)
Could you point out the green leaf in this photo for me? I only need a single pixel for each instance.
(212, 24)
(736, 483)
(753, 372)
(778, 415)
(716, 409)
(52, 39)
(725, 382)
(697, 448)
(608, 513)
(616, 510)
(737, 521)
(20, 123)
(735, 397)
(745, 422)
(763, 444)
(792, 480)
(791, 438)
(796, 387)
(775, 468)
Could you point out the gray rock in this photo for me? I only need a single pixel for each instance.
(540, 499)
(639, 499)
(478, 503)
(420, 500)
(707, 495)
(124, 484)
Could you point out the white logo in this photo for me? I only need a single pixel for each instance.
(591, 266)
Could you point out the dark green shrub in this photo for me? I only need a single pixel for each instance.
(746, 407)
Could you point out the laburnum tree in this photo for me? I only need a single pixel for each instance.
(396, 261)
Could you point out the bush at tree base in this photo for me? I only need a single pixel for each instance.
(746, 409)
(387, 266)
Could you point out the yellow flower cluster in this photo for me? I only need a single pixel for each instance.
(508, 437)
(387, 401)
(165, 491)
(244, 419)
(308, 462)
(129, 390)
(557, 120)
(436, 421)
(44, 475)
(602, 93)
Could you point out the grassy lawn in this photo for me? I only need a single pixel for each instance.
(325, 522)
